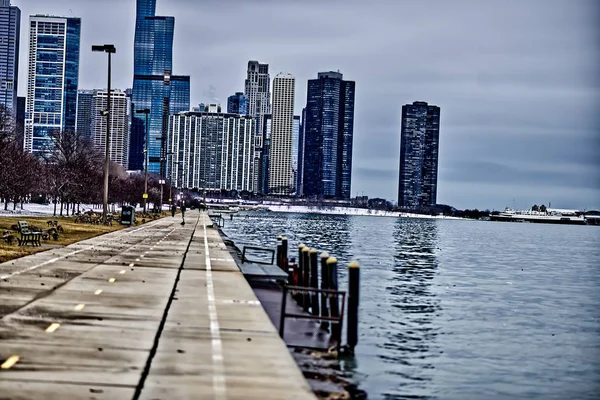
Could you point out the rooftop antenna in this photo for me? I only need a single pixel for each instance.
(71, 12)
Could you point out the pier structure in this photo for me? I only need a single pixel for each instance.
(157, 311)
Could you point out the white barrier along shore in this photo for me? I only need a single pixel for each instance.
(349, 211)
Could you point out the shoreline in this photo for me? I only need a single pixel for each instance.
(349, 211)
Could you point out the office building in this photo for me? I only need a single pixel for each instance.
(119, 125)
(237, 104)
(295, 151)
(258, 92)
(10, 30)
(419, 144)
(154, 87)
(328, 137)
(212, 151)
(52, 80)
(281, 177)
(20, 118)
(85, 112)
(263, 176)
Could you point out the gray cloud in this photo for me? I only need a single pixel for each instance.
(517, 81)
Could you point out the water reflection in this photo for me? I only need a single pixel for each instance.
(410, 342)
(323, 232)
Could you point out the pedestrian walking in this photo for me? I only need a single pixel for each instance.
(173, 209)
(182, 213)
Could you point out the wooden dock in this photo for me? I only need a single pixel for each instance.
(159, 311)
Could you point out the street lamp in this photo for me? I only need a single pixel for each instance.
(109, 49)
(145, 111)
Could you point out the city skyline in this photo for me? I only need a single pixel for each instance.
(519, 90)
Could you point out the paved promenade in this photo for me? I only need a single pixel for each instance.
(158, 311)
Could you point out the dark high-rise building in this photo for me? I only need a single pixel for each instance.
(154, 87)
(85, 107)
(20, 117)
(328, 133)
(419, 144)
(10, 30)
(237, 104)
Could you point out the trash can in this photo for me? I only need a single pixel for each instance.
(127, 215)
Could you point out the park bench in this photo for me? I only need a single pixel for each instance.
(28, 235)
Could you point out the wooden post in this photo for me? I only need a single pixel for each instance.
(305, 278)
(278, 254)
(284, 254)
(353, 300)
(334, 304)
(324, 285)
(300, 274)
(314, 281)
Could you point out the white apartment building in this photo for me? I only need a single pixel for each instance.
(281, 176)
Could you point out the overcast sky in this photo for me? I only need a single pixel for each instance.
(518, 81)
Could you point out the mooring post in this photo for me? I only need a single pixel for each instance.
(284, 254)
(324, 285)
(314, 281)
(305, 278)
(278, 254)
(353, 300)
(300, 274)
(334, 301)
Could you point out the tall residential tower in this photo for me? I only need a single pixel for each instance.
(52, 81)
(281, 175)
(328, 136)
(419, 144)
(10, 30)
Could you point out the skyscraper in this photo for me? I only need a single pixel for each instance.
(52, 81)
(154, 86)
(237, 104)
(281, 177)
(328, 135)
(419, 144)
(212, 150)
(85, 112)
(119, 124)
(295, 152)
(257, 91)
(10, 30)
(92, 124)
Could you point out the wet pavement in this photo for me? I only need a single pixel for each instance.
(158, 311)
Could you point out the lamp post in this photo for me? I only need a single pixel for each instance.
(109, 49)
(145, 111)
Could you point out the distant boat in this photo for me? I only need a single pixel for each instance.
(567, 218)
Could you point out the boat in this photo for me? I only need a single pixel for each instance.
(548, 217)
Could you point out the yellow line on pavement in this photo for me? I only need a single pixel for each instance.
(122, 271)
(97, 292)
(53, 327)
(10, 361)
(79, 307)
(112, 280)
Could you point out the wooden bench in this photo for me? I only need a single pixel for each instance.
(28, 235)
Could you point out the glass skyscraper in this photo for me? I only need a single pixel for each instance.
(53, 78)
(237, 104)
(154, 87)
(419, 144)
(328, 134)
(10, 30)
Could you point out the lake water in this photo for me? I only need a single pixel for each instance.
(461, 309)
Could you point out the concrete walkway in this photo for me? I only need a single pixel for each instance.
(159, 311)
